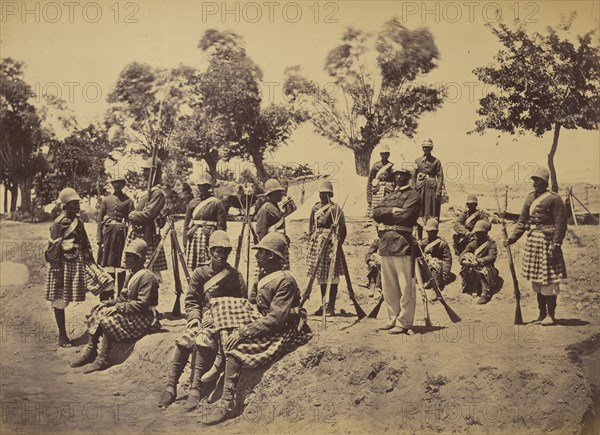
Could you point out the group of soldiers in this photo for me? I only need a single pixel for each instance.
(229, 327)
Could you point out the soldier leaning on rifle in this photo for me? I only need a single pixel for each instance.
(429, 183)
(146, 218)
(479, 274)
(544, 217)
(211, 280)
(270, 218)
(112, 231)
(206, 214)
(128, 317)
(464, 224)
(72, 270)
(321, 220)
(264, 331)
(381, 179)
(396, 215)
(437, 256)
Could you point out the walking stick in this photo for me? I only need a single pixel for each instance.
(518, 316)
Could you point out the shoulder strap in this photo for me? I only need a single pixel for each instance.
(536, 201)
(384, 168)
(482, 247)
(136, 277)
(203, 204)
(270, 277)
(431, 245)
(211, 282)
(471, 217)
(320, 212)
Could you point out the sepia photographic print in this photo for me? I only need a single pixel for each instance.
(311, 216)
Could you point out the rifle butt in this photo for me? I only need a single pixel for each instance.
(518, 314)
(375, 311)
(455, 318)
(176, 311)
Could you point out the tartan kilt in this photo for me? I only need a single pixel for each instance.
(120, 326)
(472, 278)
(114, 235)
(537, 266)
(230, 313)
(435, 267)
(379, 193)
(71, 280)
(196, 249)
(315, 245)
(161, 261)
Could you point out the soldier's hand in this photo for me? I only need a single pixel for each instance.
(194, 323)
(397, 212)
(233, 340)
(110, 311)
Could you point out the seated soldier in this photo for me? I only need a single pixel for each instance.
(373, 260)
(128, 317)
(264, 331)
(464, 224)
(478, 273)
(437, 256)
(210, 280)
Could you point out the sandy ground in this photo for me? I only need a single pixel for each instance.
(483, 375)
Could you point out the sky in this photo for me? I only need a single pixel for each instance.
(77, 49)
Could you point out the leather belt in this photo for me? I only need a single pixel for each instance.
(383, 227)
(203, 222)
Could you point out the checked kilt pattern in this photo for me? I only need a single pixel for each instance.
(196, 250)
(379, 192)
(477, 279)
(230, 313)
(537, 266)
(315, 245)
(161, 261)
(71, 280)
(120, 326)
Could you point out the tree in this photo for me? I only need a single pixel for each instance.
(361, 107)
(21, 134)
(544, 82)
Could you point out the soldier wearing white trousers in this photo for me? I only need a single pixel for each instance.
(396, 215)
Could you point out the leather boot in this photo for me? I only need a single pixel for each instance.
(319, 312)
(541, 300)
(213, 373)
(225, 407)
(101, 362)
(63, 340)
(177, 365)
(89, 353)
(332, 297)
(198, 390)
(551, 304)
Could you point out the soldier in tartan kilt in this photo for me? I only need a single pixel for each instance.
(274, 326)
(128, 317)
(146, 220)
(205, 214)
(479, 274)
(437, 256)
(72, 272)
(210, 281)
(381, 180)
(544, 217)
(321, 220)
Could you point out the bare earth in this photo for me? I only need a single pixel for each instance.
(483, 375)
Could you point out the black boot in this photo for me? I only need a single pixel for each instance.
(101, 362)
(120, 282)
(198, 390)
(319, 312)
(180, 359)
(90, 352)
(332, 297)
(541, 300)
(551, 304)
(63, 340)
(225, 407)
(486, 295)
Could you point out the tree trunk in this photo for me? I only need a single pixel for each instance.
(362, 161)
(14, 193)
(551, 167)
(5, 209)
(261, 172)
(212, 171)
(25, 187)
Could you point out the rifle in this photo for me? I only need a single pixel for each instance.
(518, 316)
(421, 287)
(176, 278)
(376, 308)
(359, 311)
(308, 290)
(430, 279)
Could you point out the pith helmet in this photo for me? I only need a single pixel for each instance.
(481, 226)
(471, 198)
(385, 148)
(273, 185)
(542, 173)
(219, 239)
(138, 247)
(274, 242)
(204, 179)
(326, 186)
(68, 194)
(432, 225)
(427, 143)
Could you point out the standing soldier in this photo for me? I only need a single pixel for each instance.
(381, 180)
(396, 215)
(429, 182)
(112, 231)
(322, 217)
(144, 218)
(270, 218)
(437, 256)
(207, 214)
(464, 224)
(72, 270)
(544, 217)
(479, 274)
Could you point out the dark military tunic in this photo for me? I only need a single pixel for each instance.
(379, 183)
(113, 217)
(438, 258)
(199, 225)
(429, 182)
(463, 227)
(483, 277)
